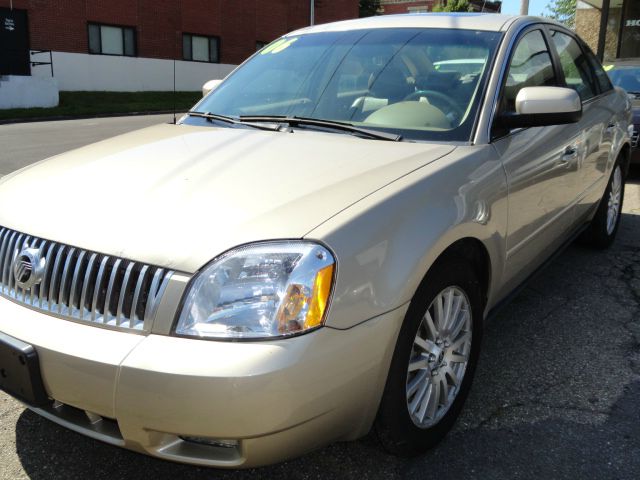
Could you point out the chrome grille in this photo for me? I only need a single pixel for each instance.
(82, 285)
(634, 137)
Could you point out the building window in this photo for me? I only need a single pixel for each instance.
(629, 45)
(199, 48)
(111, 40)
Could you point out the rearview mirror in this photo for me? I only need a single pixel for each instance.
(210, 86)
(542, 106)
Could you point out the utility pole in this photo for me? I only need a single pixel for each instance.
(312, 16)
(524, 7)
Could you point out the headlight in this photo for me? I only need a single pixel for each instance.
(262, 290)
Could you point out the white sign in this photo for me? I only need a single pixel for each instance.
(9, 24)
(633, 23)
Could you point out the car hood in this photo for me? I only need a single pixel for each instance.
(177, 196)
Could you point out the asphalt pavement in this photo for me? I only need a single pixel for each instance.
(556, 393)
(25, 143)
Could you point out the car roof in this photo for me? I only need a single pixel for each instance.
(465, 21)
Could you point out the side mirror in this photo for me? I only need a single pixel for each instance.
(210, 86)
(542, 106)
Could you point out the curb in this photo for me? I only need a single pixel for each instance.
(81, 117)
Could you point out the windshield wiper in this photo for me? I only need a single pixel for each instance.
(226, 119)
(330, 124)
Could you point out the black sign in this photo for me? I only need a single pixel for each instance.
(14, 42)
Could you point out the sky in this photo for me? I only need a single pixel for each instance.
(536, 7)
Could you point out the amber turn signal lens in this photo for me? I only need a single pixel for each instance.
(298, 297)
(319, 297)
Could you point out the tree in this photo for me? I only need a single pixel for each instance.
(453, 6)
(369, 8)
(563, 11)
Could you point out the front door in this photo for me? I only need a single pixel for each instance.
(541, 164)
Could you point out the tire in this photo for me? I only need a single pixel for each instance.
(406, 426)
(603, 228)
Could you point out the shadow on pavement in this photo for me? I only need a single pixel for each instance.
(556, 395)
(549, 449)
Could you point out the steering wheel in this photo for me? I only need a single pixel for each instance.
(442, 96)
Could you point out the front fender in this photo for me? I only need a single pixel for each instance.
(387, 242)
(623, 125)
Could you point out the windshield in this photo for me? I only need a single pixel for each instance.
(627, 77)
(423, 84)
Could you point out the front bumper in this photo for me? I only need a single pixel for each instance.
(265, 401)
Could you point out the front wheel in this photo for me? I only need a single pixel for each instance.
(434, 360)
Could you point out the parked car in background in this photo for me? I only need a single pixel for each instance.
(626, 74)
(312, 252)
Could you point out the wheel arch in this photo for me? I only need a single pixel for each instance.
(474, 252)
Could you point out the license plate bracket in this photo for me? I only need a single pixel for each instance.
(20, 371)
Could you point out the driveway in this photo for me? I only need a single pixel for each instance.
(556, 394)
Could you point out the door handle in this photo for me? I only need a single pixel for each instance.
(570, 153)
(611, 127)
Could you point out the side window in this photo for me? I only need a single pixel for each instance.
(530, 66)
(601, 76)
(575, 66)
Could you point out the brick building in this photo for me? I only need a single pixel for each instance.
(389, 7)
(125, 44)
(159, 24)
(610, 27)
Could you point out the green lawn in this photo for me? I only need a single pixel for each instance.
(96, 103)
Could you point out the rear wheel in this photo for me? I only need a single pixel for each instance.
(604, 226)
(434, 360)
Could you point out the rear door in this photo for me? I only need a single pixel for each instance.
(598, 122)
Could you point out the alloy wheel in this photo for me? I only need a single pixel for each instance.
(439, 357)
(615, 195)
